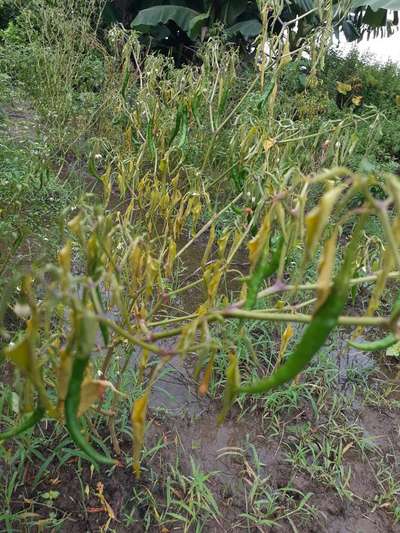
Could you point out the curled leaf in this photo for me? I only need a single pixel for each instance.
(343, 88)
(93, 391)
(20, 354)
(318, 217)
(138, 419)
(325, 270)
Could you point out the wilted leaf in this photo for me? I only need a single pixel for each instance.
(357, 100)
(343, 88)
(170, 258)
(91, 392)
(138, 419)
(208, 249)
(325, 270)
(268, 143)
(106, 506)
(203, 387)
(318, 217)
(20, 354)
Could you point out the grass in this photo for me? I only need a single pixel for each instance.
(179, 489)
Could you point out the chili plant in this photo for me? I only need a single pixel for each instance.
(119, 292)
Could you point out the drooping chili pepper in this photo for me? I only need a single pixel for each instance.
(264, 269)
(315, 335)
(177, 127)
(381, 344)
(150, 137)
(72, 402)
(28, 422)
(86, 329)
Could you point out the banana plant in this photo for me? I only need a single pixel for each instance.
(171, 23)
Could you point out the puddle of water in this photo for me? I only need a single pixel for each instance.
(176, 392)
(351, 363)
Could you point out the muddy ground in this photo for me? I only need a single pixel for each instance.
(187, 431)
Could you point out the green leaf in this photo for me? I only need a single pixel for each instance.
(196, 24)
(232, 10)
(150, 18)
(247, 28)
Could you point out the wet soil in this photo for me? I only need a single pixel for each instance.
(184, 430)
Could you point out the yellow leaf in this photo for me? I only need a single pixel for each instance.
(75, 225)
(286, 57)
(107, 185)
(398, 100)
(92, 391)
(343, 88)
(20, 354)
(258, 243)
(171, 257)
(222, 242)
(63, 376)
(152, 272)
(138, 419)
(287, 335)
(208, 249)
(64, 257)
(318, 217)
(212, 277)
(357, 100)
(203, 387)
(143, 363)
(325, 270)
(268, 143)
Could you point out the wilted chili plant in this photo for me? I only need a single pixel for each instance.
(111, 285)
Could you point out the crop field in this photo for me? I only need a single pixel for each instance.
(199, 268)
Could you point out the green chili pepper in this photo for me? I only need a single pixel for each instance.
(264, 97)
(125, 81)
(185, 127)
(381, 344)
(150, 138)
(85, 336)
(181, 125)
(27, 423)
(264, 269)
(177, 127)
(315, 335)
